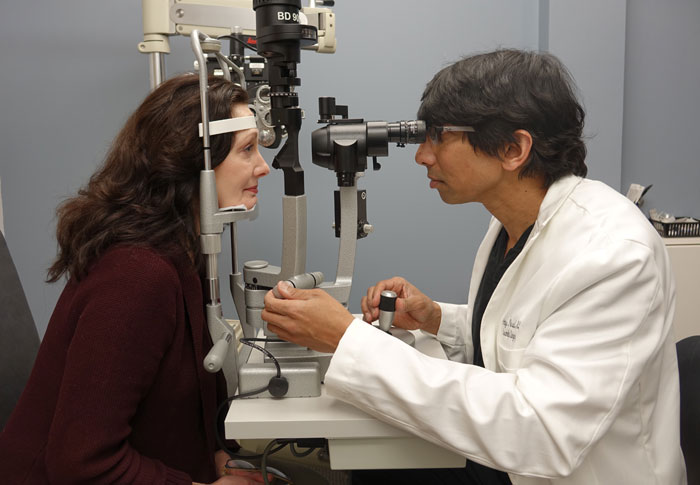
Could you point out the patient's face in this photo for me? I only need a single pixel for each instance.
(237, 176)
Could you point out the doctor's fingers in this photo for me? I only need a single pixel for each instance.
(298, 305)
(289, 298)
(280, 326)
(370, 302)
(300, 332)
(277, 306)
(395, 284)
(369, 314)
(281, 318)
(415, 302)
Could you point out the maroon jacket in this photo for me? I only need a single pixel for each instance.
(118, 393)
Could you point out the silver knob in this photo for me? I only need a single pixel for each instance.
(387, 305)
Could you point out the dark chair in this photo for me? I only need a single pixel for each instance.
(19, 341)
(688, 351)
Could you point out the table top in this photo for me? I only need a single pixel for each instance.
(315, 417)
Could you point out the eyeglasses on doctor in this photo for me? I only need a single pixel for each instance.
(435, 131)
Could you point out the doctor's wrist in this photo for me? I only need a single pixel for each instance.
(432, 323)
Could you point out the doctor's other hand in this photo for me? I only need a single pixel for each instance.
(311, 318)
(414, 310)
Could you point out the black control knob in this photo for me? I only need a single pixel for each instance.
(387, 306)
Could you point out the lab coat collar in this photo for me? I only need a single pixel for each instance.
(557, 193)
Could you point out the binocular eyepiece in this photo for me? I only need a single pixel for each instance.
(344, 144)
(402, 132)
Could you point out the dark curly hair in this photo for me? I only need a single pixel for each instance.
(502, 91)
(146, 192)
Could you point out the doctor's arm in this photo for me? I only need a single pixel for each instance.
(314, 319)
(602, 319)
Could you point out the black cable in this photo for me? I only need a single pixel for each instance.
(300, 454)
(270, 448)
(263, 461)
(221, 442)
(219, 439)
(249, 343)
(282, 444)
(239, 41)
(265, 339)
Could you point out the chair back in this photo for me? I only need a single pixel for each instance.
(688, 351)
(19, 340)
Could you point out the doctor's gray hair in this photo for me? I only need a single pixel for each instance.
(506, 90)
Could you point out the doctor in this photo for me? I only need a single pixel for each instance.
(562, 366)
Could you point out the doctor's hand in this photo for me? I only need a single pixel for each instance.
(311, 318)
(414, 310)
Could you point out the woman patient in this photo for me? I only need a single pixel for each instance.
(118, 393)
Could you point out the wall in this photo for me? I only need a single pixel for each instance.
(72, 73)
(589, 37)
(69, 83)
(662, 76)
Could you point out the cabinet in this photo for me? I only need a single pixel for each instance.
(685, 261)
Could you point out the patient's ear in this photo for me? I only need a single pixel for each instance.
(517, 152)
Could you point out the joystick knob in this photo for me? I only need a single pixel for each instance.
(387, 305)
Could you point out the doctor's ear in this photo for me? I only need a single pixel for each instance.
(517, 152)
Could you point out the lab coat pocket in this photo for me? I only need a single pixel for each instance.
(509, 359)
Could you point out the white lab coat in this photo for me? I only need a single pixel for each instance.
(581, 378)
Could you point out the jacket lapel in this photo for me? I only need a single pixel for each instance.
(553, 200)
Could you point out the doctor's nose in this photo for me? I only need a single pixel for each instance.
(425, 155)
